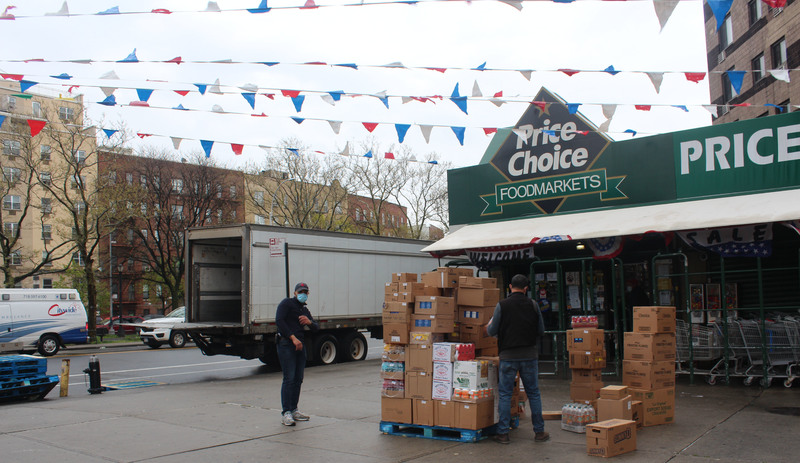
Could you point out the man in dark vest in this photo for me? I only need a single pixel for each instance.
(518, 325)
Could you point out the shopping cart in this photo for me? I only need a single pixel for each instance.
(704, 347)
(736, 353)
(751, 335)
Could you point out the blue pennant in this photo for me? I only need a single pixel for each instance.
(459, 131)
(720, 8)
(299, 120)
(109, 132)
(109, 101)
(262, 8)
(630, 131)
(202, 88)
(779, 108)
(180, 107)
(144, 93)
(336, 95)
(460, 101)
(298, 102)
(130, 58)
(611, 70)
(270, 63)
(62, 76)
(736, 78)
(482, 67)
(573, 107)
(294, 151)
(680, 106)
(369, 154)
(401, 131)
(251, 98)
(385, 101)
(347, 65)
(112, 10)
(26, 84)
(2, 118)
(207, 145)
(434, 162)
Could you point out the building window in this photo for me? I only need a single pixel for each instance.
(11, 229)
(12, 203)
(219, 191)
(177, 212)
(16, 258)
(219, 215)
(45, 178)
(36, 109)
(11, 102)
(80, 207)
(47, 233)
(112, 177)
(177, 186)
(130, 264)
(725, 33)
(79, 156)
(758, 65)
(11, 147)
(47, 205)
(48, 262)
(77, 258)
(144, 234)
(754, 11)
(47, 283)
(78, 181)
(727, 88)
(260, 219)
(258, 198)
(65, 113)
(784, 107)
(233, 215)
(129, 235)
(142, 181)
(145, 292)
(11, 174)
(45, 151)
(778, 51)
(233, 191)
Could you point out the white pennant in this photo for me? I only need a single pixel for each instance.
(396, 64)
(656, 78)
(217, 109)
(609, 110)
(664, 9)
(780, 74)
(604, 126)
(526, 74)
(110, 75)
(476, 91)
(327, 98)
(406, 99)
(712, 108)
(335, 126)
(213, 7)
(108, 91)
(497, 102)
(176, 142)
(523, 135)
(249, 88)
(64, 11)
(346, 151)
(514, 3)
(214, 88)
(426, 132)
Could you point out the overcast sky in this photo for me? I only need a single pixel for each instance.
(544, 36)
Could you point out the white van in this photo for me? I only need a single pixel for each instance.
(45, 319)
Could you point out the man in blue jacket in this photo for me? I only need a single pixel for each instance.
(292, 317)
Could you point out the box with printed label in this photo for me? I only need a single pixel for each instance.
(434, 305)
(406, 297)
(442, 390)
(443, 371)
(393, 353)
(478, 297)
(396, 410)
(610, 438)
(654, 319)
(452, 351)
(474, 315)
(477, 282)
(477, 335)
(444, 414)
(433, 323)
(643, 374)
(585, 392)
(423, 412)
(608, 409)
(586, 339)
(472, 374)
(419, 385)
(391, 288)
(390, 297)
(395, 333)
(418, 358)
(444, 277)
(411, 287)
(404, 278)
(580, 375)
(637, 413)
(658, 405)
(477, 415)
(613, 392)
(587, 359)
(649, 346)
(398, 312)
(424, 337)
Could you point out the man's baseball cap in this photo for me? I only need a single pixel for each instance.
(300, 287)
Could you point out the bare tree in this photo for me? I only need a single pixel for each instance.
(423, 191)
(376, 180)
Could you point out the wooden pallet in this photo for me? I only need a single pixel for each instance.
(31, 389)
(441, 433)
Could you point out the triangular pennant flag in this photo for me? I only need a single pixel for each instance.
(720, 8)
(213, 7)
(335, 126)
(460, 101)
(299, 120)
(631, 131)
(201, 88)
(130, 58)
(611, 70)
(143, 135)
(309, 5)
(664, 11)
(112, 10)
(110, 75)
(62, 76)
(476, 91)
(573, 107)
(426, 132)
(370, 126)
(2, 119)
(442, 70)
(434, 162)
(181, 92)
(780, 74)
(609, 110)
(642, 107)
(328, 99)
(262, 8)
(482, 67)
(109, 101)
(695, 76)
(294, 151)
(215, 88)
(569, 72)
(259, 115)
(290, 93)
(26, 84)
(298, 102)
(542, 105)
(176, 142)
(604, 126)
(489, 130)
(336, 95)
(684, 108)
(142, 104)
(252, 88)
(517, 4)
(459, 131)
(346, 150)
(108, 91)
(109, 132)
(144, 94)
(250, 98)
(711, 108)
(207, 145)
(161, 11)
(369, 154)
(237, 148)
(656, 78)
(775, 3)
(526, 75)
(401, 131)
(396, 64)
(736, 78)
(64, 11)
(180, 107)
(347, 65)
(779, 108)
(497, 101)
(217, 109)
(16, 77)
(388, 155)
(521, 134)
(36, 126)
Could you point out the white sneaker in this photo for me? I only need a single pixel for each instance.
(287, 420)
(300, 416)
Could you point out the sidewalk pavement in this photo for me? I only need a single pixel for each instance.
(239, 420)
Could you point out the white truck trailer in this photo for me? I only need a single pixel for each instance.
(236, 275)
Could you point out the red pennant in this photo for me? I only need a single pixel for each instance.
(370, 126)
(237, 148)
(182, 92)
(540, 104)
(582, 132)
(776, 3)
(161, 11)
(421, 99)
(317, 63)
(143, 135)
(389, 155)
(488, 130)
(569, 72)
(437, 69)
(498, 94)
(271, 96)
(72, 87)
(139, 103)
(309, 5)
(36, 126)
(176, 60)
(695, 76)
(291, 93)
(642, 107)
(12, 76)
(35, 60)
(741, 104)
(259, 115)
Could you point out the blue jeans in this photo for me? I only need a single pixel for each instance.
(293, 364)
(529, 374)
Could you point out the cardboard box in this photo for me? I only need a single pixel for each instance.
(390, 297)
(487, 352)
(452, 351)
(478, 297)
(476, 335)
(642, 374)
(637, 413)
(654, 319)
(419, 358)
(472, 374)
(398, 312)
(610, 438)
(587, 376)
(650, 346)
(613, 392)
(444, 414)
(444, 277)
(474, 315)
(433, 323)
(404, 278)
(411, 287)
(424, 337)
(608, 409)
(395, 333)
(585, 392)
(392, 288)
(551, 416)
(434, 305)
(586, 339)
(401, 375)
(477, 415)
(423, 412)
(658, 405)
(587, 360)
(406, 297)
(443, 371)
(477, 282)
(442, 390)
(419, 385)
(396, 410)
(393, 353)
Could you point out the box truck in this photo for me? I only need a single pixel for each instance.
(237, 275)
(41, 319)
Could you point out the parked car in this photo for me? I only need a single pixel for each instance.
(128, 325)
(157, 331)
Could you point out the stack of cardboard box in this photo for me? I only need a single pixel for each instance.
(649, 366)
(587, 358)
(476, 300)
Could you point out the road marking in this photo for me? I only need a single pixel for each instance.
(184, 373)
(167, 367)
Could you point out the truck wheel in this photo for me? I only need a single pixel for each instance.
(177, 339)
(326, 349)
(353, 347)
(48, 345)
(152, 343)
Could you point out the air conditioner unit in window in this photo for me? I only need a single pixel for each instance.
(721, 57)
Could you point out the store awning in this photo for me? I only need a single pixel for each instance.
(687, 215)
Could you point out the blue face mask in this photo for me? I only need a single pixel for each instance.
(302, 297)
